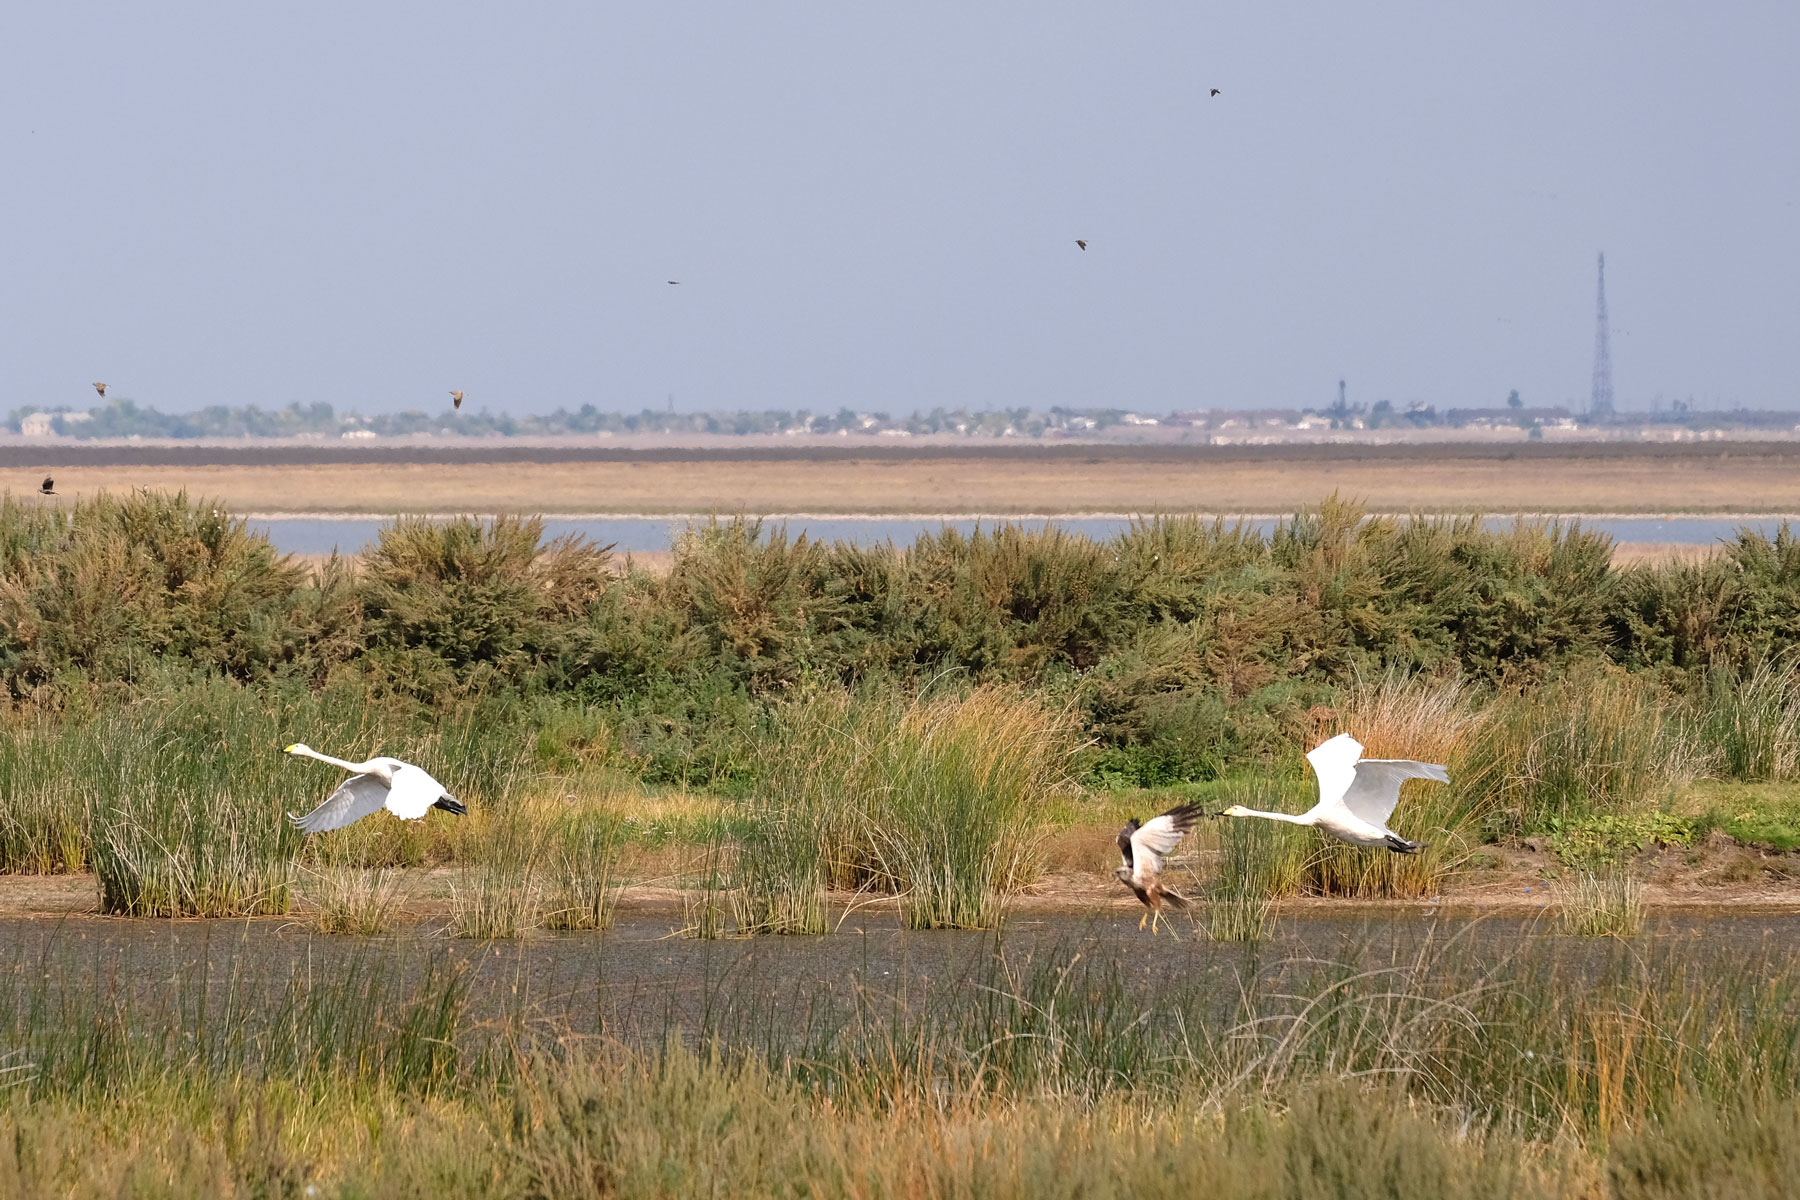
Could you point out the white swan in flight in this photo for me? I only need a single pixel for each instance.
(1143, 847)
(401, 788)
(1356, 795)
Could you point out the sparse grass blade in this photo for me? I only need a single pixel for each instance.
(710, 902)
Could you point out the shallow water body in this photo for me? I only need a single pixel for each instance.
(640, 982)
(321, 535)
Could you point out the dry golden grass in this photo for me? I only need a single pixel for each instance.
(1625, 484)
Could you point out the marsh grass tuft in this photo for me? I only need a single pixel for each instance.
(935, 798)
(1593, 741)
(1260, 860)
(1239, 917)
(165, 853)
(497, 894)
(43, 815)
(581, 862)
(1748, 721)
(353, 901)
(1604, 903)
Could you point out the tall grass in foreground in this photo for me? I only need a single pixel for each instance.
(934, 798)
(1450, 1070)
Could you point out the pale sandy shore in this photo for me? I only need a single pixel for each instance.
(1702, 482)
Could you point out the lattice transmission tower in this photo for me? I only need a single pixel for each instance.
(1600, 403)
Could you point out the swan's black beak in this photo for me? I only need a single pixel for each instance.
(451, 804)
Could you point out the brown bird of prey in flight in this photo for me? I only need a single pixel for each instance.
(48, 488)
(455, 399)
(1215, 91)
(1081, 243)
(1143, 847)
(101, 388)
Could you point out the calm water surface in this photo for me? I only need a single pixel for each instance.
(639, 981)
(321, 535)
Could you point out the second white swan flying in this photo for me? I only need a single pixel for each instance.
(1357, 795)
(403, 789)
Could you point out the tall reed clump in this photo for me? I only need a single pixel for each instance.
(806, 821)
(1259, 860)
(711, 896)
(43, 819)
(1593, 741)
(1428, 720)
(781, 866)
(581, 864)
(352, 901)
(185, 801)
(934, 798)
(1747, 721)
(497, 892)
(1601, 903)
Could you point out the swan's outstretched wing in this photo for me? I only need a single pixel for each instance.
(413, 793)
(355, 798)
(1334, 762)
(1376, 788)
(1158, 837)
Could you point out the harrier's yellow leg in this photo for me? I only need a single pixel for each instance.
(1141, 921)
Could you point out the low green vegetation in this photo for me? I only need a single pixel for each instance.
(903, 721)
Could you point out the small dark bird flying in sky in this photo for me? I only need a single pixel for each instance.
(101, 388)
(674, 283)
(1081, 243)
(455, 399)
(48, 488)
(1215, 91)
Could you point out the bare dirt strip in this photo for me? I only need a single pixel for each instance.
(1749, 478)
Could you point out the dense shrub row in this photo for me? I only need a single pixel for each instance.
(1183, 644)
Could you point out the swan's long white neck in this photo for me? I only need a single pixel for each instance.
(1305, 818)
(360, 768)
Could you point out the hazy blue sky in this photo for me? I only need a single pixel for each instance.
(876, 206)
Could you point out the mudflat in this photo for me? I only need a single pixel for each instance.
(1616, 478)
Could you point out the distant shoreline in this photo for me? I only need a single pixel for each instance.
(63, 453)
